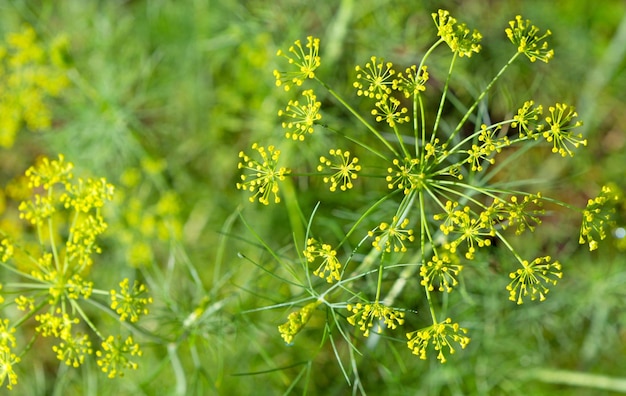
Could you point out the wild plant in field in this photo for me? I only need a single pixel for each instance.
(29, 74)
(47, 283)
(440, 207)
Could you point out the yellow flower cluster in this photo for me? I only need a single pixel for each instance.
(29, 74)
(459, 37)
(440, 336)
(364, 316)
(296, 321)
(392, 237)
(263, 176)
(532, 279)
(330, 267)
(345, 168)
(301, 117)
(306, 62)
(524, 35)
(66, 213)
(597, 217)
(441, 271)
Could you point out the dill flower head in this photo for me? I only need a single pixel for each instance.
(305, 59)
(597, 217)
(364, 316)
(263, 176)
(345, 168)
(375, 79)
(440, 336)
(412, 82)
(559, 131)
(296, 322)
(526, 119)
(330, 267)
(130, 302)
(533, 279)
(392, 237)
(7, 362)
(29, 75)
(525, 36)
(441, 272)
(459, 37)
(301, 117)
(115, 356)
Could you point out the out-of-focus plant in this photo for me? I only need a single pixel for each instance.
(47, 281)
(29, 74)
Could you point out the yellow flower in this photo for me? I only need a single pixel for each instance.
(378, 76)
(7, 361)
(459, 37)
(306, 62)
(330, 267)
(560, 125)
(130, 302)
(440, 336)
(346, 169)
(364, 316)
(597, 216)
(412, 82)
(524, 36)
(526, 116)
(263, 176)
(440, 271)
(392, 236)
(532, 279)
(301, 117)
(406, 177)
(115, 355)
(296, 321)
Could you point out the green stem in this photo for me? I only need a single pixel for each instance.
(358, 116)
(481, 96)
(423, 233)
(443, 99)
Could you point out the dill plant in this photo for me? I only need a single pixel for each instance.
(449, 209)
(47, 281)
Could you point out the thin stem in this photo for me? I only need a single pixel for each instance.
(358, 116)
(423, 233)
(481, 96)
(443, 99)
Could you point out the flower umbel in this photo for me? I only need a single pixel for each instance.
(532, 279)
(412, 82)
(7, 360)
(306, 61)
(524, 36)
(597, 216)
(296, 321)
(130, 303)
(330, 267)
(440, 336)
(441, 272)
(375, 79)
(345, 168)
(263, 176)
(392, 236)
(364, 316)
(459, 38)
(301, 117)
(560, 125)
(526, 119)
(115, 356)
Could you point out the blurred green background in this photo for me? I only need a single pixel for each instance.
(163, 96)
